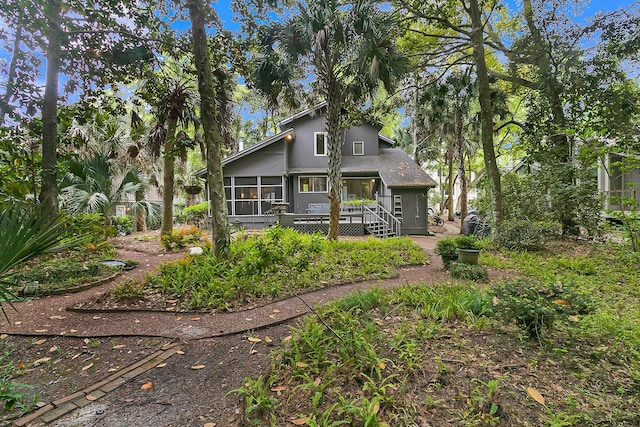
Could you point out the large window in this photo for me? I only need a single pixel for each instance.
(312, 184)
(252, 195)
(359, 188)
(320, 144)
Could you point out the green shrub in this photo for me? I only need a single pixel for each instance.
(534, 306)
(523, 235)
(466, 242)
(473, 272)
(182, 237)
(129, 290)
(91, 226)
(123, 224)
(448, 250)
(196, 214)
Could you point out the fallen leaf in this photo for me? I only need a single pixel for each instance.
(267, 339)
(54, 348)
(147, 386)
(161, 365)
(196, 367)
(90, 397)
(3, 336)
(382, 365)
(136, 321)
(86, 341)
(254, 339)
(111, 370)
(88, 366)
(535, 395)
(573, 318)
(41, 330)
(179, 352)
(280, 388)
(561, 302)
(254, 352)
(195, 319)
(376, 407)
(73, 330)
(209, 425)
(42, 341)
(57, 317)
(495, 300)
(317, 381)
(276, 311)
(300, 421)
(301, 365)
(40, 361)
(21, 366)
(287, 338)
(18, 323)
(179, 318)
(272, 316)
(115, 347)
(97, 317)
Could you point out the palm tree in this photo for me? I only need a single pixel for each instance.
(94, 185)
(174, 97)
(348, 47)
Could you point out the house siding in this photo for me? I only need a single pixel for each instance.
(366, 133)
(269, 161)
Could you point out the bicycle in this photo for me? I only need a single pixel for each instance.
(434, 219)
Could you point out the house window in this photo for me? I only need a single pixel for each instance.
(358, 148)
(252, 195)
(246, 196)
(320, 144)
(312, 184)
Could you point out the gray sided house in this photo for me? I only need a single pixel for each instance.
(288, 173)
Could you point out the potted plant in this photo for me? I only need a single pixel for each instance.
(468, 249)
(447, 249)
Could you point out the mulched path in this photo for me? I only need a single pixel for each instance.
(51, 316)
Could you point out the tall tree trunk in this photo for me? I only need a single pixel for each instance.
(169, 176)
(49, 191)
(486, 112)
(140, 214)
(460, 168)
(212, 130)
(11, 75)
(335, 155)
(450, 183)
(551, 88)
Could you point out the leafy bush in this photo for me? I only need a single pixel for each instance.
(182, 237)
(534, 306)
(448, 250)
(473, 272)
(90, 225)
(280, 262)
(523, 235)
(196, 214)
(123, 224)
(129, 290)
(61, 273)
(466, 242)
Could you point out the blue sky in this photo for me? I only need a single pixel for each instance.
(224, 10)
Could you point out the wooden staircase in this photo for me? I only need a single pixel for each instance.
(379, 222)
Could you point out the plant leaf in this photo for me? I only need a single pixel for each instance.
(535, 395)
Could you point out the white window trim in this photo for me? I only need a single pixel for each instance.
(354, 148)
(326, 144)
(312, 177)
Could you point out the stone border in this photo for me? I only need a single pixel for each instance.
(82, 398)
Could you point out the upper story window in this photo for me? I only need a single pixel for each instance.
(358, 148)
(320, 144)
